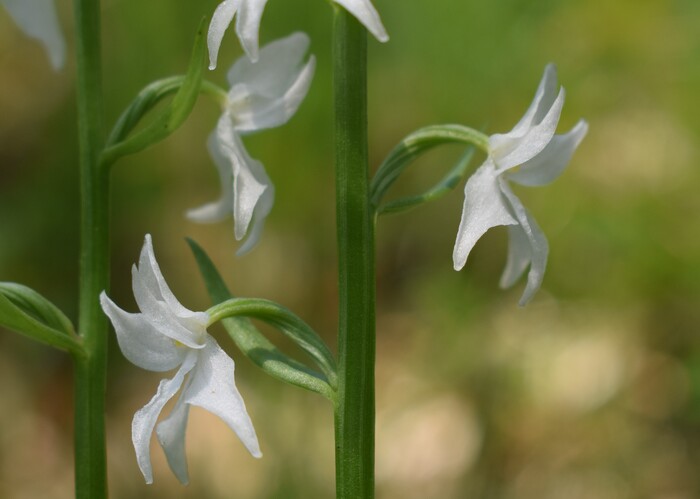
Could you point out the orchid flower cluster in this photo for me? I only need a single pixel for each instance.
(266, 88)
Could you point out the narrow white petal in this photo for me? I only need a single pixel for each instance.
(146, 417)
(250, 181)
(157, 301)
(519, 256)
(220, 21)
(262, 209)
(484, 207)
(38, 19)
(220, 209)
(213, 388)
(248, 26)
(548, 165)
(171, 436)
(539, 248)
(530, 144)
(365, 12)
(544, 98)
(139, 341)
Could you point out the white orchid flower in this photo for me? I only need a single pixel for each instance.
(263, 95)
(531, 155)
(38, 19)
(248, 14)
(164, 336)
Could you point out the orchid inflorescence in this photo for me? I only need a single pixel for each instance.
(266, 88)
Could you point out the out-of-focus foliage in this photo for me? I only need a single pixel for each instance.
(593, 390)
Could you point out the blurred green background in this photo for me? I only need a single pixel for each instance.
(592, 391)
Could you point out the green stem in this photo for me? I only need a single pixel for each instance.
(90, 371)
(354, 418)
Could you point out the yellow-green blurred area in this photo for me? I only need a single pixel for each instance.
(591, 391)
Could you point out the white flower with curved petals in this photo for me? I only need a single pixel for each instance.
(248, 14)
(164, 336)
(263, 95)
(532, 155)
(38, 20)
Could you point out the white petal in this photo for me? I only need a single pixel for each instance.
(539, 248)
(159, 305)
(171, 436)
(220, 21)
(213, 388)
(548, 165)
(248, 26)
(220, 209)
(365, 12)
(38, 19)
(514, 150)
(250, 182)
(145, 418)
(484, 207)
(139, 341)
(519, 256)
(262, 209)
(544, 99)
(267, 93)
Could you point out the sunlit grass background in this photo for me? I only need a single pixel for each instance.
(592, 391)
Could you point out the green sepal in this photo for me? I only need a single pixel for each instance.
(27, 312)
(445, 185)
(169, 119)
(257, 347)
(412, 147)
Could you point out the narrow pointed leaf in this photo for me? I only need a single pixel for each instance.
(169, 119)
(252, 343)
(26, 312)
(414, 145)
(444, 186)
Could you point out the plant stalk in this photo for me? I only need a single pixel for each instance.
(354, 417)
(90, 371)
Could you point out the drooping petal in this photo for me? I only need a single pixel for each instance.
(248, 26)
(509, 151)
(365, 12)
(484, 207)
(171, 436)
(539, 248)
(267, 93)
(253, 192)
(38, 19)
(146, 417)
(220, 209)
(141, 343)
(160, 307)
(220, 21)
(213, 388)
(548, 165)
(262, 210)
(519, 256)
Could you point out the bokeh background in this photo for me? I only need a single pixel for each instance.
(591, 391)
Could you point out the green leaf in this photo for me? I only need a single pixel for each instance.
(169, 119)
(252, 343)
(448, 182)
(25, 311)
(413, 146)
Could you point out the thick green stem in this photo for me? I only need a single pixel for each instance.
(90, 371)
(354, 419)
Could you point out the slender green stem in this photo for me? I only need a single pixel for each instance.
(354, 419)
(90, 371)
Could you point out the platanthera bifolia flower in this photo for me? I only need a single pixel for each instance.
(531, 155)
(164, 336)
(263, 95)
(38, 19)
(249, 13)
